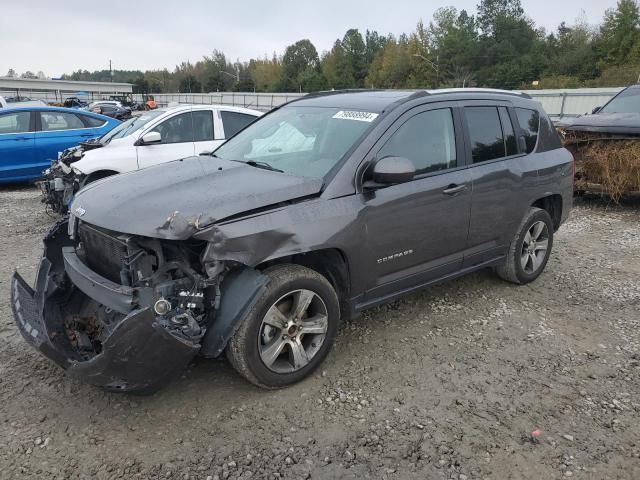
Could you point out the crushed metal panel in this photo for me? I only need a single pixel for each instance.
(240, 290)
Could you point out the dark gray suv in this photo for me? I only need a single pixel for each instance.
(329, 205)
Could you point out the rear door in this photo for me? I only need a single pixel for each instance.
(56, 131)
(204, 131)
(233, 122)
(177, 141)
(17, 146)
(498, 179)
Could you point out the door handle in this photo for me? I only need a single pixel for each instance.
(22, 139)
(454, 189)
(86, 135)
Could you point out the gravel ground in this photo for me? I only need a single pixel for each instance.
(474, 379)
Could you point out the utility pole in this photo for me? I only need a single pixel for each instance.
(110, 72)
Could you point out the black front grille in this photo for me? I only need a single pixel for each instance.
(104, 252)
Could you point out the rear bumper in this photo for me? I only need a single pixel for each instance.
(138, 354)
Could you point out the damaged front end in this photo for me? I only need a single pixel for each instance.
(59, 183)
(120, 311)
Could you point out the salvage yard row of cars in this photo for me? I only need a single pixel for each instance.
(223, 234)
(31, 137)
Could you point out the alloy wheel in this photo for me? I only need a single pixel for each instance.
(534, 247)
(293, 331)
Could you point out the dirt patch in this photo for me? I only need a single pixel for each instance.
(447, 383)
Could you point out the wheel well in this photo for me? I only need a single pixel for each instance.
(553, 205)
(331, 263)
(98, 175)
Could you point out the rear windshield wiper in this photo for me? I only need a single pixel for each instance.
(263, 165)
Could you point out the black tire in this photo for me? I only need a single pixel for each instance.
(243, 350)
(512, 270)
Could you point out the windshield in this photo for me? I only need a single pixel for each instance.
(303, 141)
(627, 101)
(130, 126)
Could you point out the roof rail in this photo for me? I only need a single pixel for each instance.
(496, 91)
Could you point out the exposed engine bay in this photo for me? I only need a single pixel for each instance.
(59, 183)
(127, 312)
(164, 274)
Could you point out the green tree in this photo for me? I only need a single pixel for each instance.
(337, 69)
(300, 67)
(454, 41)
(620, 32)
(392, 65)
(266, 73)
(189, 84)
(374, 43)
(355, 53)
(491, 11)
(571, 52)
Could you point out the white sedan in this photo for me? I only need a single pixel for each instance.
(163, 135)
(156, 136)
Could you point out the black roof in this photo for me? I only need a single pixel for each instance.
(379, 100)
(368, 100)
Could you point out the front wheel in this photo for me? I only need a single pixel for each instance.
(290, 329)
(530, 249)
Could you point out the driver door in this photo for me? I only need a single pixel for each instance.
(176, 141)
(416, 232)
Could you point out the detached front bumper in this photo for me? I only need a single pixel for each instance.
(138, 354)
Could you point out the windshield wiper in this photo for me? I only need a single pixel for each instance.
(263, 165)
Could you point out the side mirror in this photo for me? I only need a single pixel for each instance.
(596, 110)
(389, 170)
(150, 138)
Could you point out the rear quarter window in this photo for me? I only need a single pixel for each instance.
(529, 121)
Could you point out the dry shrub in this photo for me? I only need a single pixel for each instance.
(608, 163)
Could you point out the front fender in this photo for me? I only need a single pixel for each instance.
(239, 292)
(116, 159)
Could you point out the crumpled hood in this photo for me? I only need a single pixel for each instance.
(622, 123)
(176, 199)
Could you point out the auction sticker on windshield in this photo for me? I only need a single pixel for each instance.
(358, 116)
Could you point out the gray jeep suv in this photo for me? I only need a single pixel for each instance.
(327, 206)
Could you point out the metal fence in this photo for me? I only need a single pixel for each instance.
(572, 102)
(258, 101)
(557, 103)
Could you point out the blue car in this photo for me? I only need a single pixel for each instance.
(30, 137)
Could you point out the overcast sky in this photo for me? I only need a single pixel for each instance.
(59, 36)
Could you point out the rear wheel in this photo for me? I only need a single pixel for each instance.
(530, 248)
(289, 331)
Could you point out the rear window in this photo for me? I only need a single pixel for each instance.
(234, 122)
(16, 122)
(529, 121)
(485, 132)
(52, 121)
